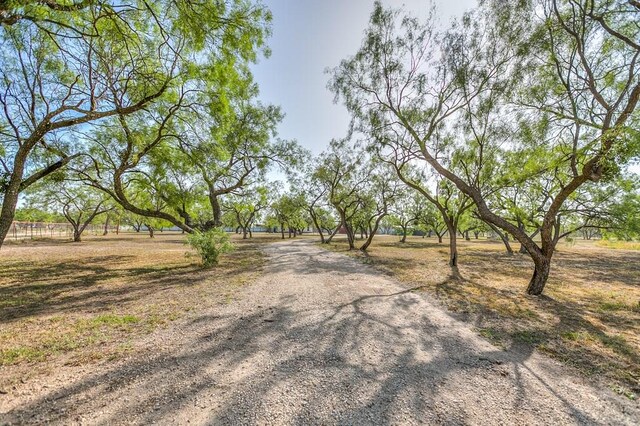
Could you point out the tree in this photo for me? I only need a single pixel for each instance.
(314, 192)
(68, 65)
(406, 212)
(357, 187)
(246, 207)
(287, 211)
(577, 113)
(79, 204)
(235, 153)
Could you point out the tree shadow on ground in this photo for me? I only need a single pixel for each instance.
(557, 327)
(83, 284)
(279, 364)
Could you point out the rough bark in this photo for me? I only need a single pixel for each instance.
(540, 274)
(11, 194)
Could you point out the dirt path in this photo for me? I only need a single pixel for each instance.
(320, 339)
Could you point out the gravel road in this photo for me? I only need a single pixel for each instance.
(320, 339)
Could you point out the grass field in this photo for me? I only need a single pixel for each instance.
(71, 303)
(589, 316)
(74, 303)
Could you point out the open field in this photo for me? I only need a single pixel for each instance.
(317, 339)
(589, 316)
(64, 303)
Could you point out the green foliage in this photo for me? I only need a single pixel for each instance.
(210, 245)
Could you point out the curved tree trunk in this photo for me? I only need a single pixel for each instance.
(314, 218)
(333, 234)
(11, 194)
(540, 274)
(503, 236)
(523, 249)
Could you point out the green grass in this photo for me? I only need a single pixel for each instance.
(619, 245)
(619, 306)
(81, 333)
(111, 320)
(21, 354)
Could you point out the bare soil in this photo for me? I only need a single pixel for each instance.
(318, 338)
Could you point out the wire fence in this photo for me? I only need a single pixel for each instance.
(33, 230)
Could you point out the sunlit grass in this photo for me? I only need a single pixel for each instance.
(75, 303)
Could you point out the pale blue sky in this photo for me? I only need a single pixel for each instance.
(309, 36)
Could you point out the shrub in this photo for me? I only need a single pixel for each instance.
(210, 245)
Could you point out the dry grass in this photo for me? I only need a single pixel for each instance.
(72, 303)
(589, 316)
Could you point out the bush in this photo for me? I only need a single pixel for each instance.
(210, 245)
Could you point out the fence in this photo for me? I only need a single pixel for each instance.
(32, 230)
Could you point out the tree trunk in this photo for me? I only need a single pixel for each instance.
(77, 235)
(523, 249)
(333, 234)
(476, 234)
(215, 209)
(150, 229)
(404, 235)
(351, 237)
(106, 225)
(453, 251)
(540, 274)
(371, 232)
(314, 217)
(440, 238)
(503, 236)
(466, 236)
(244, 233)
(282, 230)
(11, 194)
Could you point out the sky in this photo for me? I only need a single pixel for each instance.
(310, 36)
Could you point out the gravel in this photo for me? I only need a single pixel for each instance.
(319, 339)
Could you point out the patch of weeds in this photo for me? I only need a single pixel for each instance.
(107, 321)
(578, 336)
(620, 390)
(613, 306)
(491, 334)
(532, 337)
(619, 306)
(617, 343)
(21, 354)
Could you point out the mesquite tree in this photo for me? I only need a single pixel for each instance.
(245, 208)
(78, 203)
(68, 65)
(575, 63)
